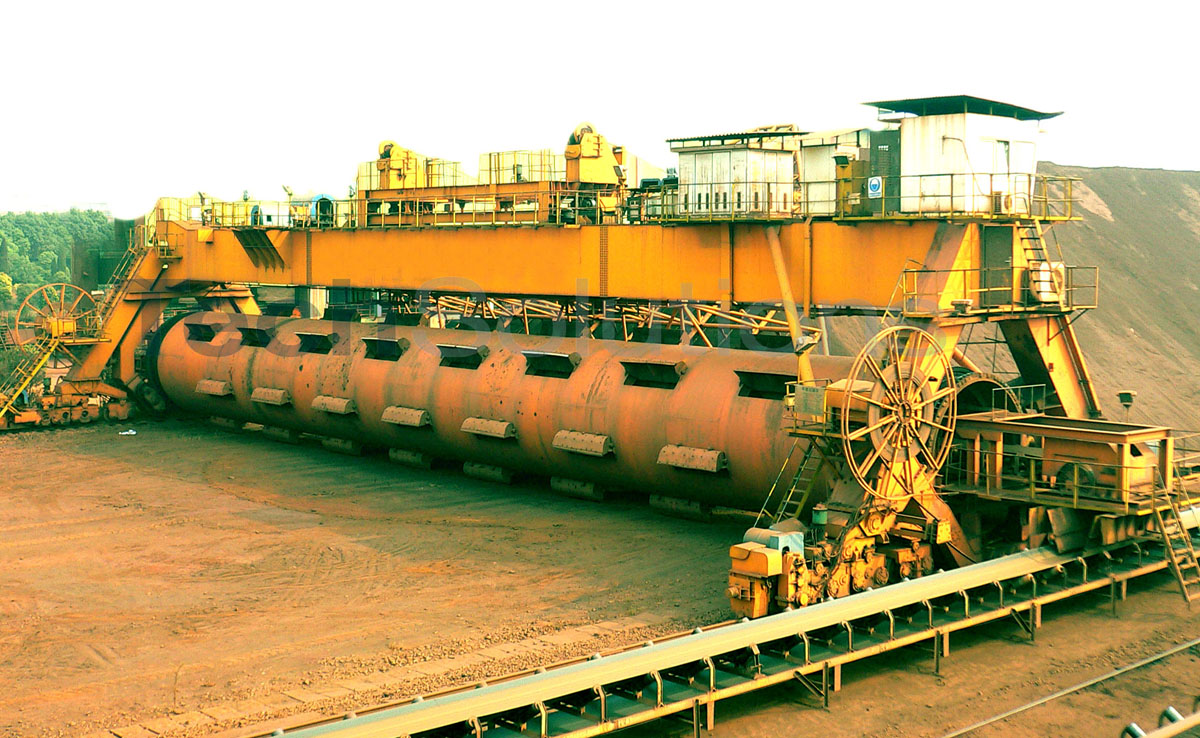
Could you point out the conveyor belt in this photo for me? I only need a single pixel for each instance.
(689, 673)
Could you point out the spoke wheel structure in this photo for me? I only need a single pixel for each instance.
(55, 309)
(898, 412)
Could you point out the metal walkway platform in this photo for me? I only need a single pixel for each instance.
(689, 673)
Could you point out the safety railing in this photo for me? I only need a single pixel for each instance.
(1187, 454)
(511, 167)
(806, 407)
(1052, 286)
(1016, 400)
(990, 196)
(177, 209)
(974, 195)
(536, 203)
(713, 201)
(544, 203)
(1055, 477)
(319, 211)
(993, 196)
(406, 170)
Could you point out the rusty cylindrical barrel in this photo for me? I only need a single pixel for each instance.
(702, 424)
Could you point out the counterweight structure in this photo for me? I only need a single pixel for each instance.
(615, 327)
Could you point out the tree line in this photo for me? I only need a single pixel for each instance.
(36, 248)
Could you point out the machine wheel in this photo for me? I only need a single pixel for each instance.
(150, 397)
(1073, 474)
(54, 308)
(898, 410)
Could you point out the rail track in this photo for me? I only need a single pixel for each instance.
(686, 674)
(1180, 723)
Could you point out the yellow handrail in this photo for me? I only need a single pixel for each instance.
(25, 373)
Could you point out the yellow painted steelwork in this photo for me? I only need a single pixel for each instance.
(853, 268)
(708, 262)
(591, 158)
(418, 224)
(857, 267)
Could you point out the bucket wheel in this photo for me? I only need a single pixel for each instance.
(60, 310)
(898, 412)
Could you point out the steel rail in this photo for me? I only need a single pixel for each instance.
(691, 673)
(1077, 688)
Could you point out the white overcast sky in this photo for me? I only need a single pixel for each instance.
(114, 104)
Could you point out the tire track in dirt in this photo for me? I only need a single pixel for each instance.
(302, 558)
(83, 535)
(102, 685)
(37, 525)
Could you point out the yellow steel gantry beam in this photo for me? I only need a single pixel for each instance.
(853, 265)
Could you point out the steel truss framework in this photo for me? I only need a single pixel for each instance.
(697, 323)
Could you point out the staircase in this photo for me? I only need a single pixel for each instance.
(1036, 252)
(1033, 242)
(121, 276)
(1177, 543)
(16, 383)
(1033, 245)
(798, 490)
(44, 346)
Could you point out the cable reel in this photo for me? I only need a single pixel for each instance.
(898, 412)
(58, 310)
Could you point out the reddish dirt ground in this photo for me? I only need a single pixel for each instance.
(185, 566)
(184, 581)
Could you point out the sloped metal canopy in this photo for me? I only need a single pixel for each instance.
(950, 104)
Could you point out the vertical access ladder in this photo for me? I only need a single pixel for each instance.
(1177, 543)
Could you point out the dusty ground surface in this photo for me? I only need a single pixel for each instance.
(185, 567)
(185, 581)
